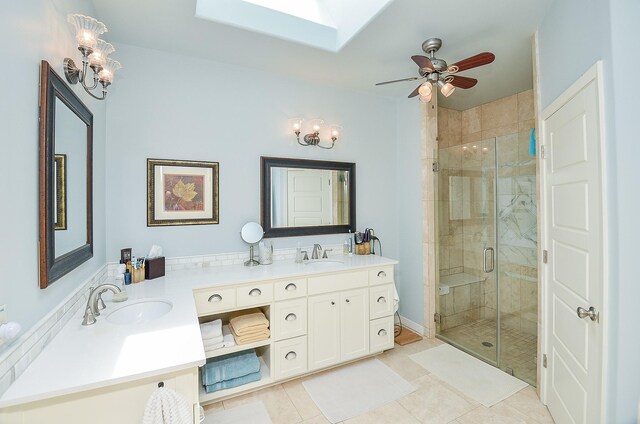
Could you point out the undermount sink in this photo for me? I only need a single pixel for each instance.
(323, 262)
(139, 311)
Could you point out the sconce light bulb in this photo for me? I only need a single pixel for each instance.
(335, 133)
(296, 126)
(316, 128)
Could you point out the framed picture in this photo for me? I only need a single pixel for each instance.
(60, 197)
(181, 192)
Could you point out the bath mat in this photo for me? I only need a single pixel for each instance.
(251, 413)
(473, 377)
(355, 389)
(407, 336)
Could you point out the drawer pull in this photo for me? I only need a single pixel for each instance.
(382, 274)
(291, 317)
(333, 303)
(291, 287)
(255, 292)
(382, 332)
(381, 299)
(215, 298)
(347, 300)
(290, 356)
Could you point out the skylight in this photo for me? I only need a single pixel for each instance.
(326, 24)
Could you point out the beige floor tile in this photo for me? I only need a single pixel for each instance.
(399, 361)
(497, 414)
(301, 400)
(275, 399)
(212, 408)
(320, 419)
(527, 402)
(422, 345)
(434, 402)
(391, 413)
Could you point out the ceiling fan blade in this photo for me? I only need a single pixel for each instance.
(398, 80)
(463, 82)
(414, 93)
(475, 61)
(423, 62)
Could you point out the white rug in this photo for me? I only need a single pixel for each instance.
(473, 377)
(356, 389)
(251, 413)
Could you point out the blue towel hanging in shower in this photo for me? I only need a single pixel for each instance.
(532, 142)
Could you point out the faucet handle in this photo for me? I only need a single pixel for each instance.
(324, 256)
(306, 256)
(100, 302)
(89, 318)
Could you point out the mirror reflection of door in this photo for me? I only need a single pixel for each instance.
(309, 197)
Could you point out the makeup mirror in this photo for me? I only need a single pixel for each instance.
(66, 168)
(251, 233)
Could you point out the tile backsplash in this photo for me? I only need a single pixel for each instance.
(17, 356)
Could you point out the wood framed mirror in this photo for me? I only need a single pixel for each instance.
(66, 178)
(306, 197)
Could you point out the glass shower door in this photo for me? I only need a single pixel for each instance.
(467, 292)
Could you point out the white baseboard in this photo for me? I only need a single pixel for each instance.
(406, 322)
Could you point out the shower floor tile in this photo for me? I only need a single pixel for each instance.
(518, 349)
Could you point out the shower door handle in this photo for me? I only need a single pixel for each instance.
(486, 268)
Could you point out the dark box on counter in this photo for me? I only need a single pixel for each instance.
(154, 268)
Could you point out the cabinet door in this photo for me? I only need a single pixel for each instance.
(354, 320)
(324, 330)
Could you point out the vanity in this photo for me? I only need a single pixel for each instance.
(322, 314)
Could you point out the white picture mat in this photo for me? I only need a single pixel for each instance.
(159, 173)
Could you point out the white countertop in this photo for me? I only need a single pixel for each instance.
(81, 358)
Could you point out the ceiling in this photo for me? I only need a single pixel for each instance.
(380, 51)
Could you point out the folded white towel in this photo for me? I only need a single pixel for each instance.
(208, 343)
(228, 339)
(212, 329)
(166, 406)
(208, 347)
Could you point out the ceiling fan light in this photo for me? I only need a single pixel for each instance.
(446, 89)
(426, 99)
(425, 89)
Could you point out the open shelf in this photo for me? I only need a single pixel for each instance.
(237, 348)
(265, 379)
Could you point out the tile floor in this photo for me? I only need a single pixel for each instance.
(434, 401)
(517, 349)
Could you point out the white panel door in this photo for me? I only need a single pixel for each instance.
(324, 330)
(309, 197)
(574, 274)
(354, 336)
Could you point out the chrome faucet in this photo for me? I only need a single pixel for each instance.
(317, 251)
(95, 302)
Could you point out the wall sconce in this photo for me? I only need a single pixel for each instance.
(313, 138)
(95, 54)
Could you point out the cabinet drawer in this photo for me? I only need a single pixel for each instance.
(290, 289)
(289, 319)
(290, 357)
(381, 301)
(336, 282)
(380, 334)
(381, 275)
(214, 300)
(255, 294)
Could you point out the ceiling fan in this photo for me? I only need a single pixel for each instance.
(437, 72)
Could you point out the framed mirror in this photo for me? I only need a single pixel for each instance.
(66, 178)
(306, 197)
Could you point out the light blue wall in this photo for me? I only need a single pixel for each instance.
(174, 107)
(29, 32)
(569, 43)
(409, 210)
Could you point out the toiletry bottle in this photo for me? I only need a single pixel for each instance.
(345, 246)
(350, 239)
(127, 277)
(298, 254)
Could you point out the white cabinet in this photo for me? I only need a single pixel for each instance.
(290, 357)
(381, 301)
(324, 330)
(380, 334)
(289, 319)
(338, 327)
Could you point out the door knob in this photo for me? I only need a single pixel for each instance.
(591, 313)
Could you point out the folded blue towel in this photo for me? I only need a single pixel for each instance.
(234, 382)
(230, 366)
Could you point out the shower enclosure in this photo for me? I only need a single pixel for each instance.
(486, 300)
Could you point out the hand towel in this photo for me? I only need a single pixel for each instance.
(165, 406)
(228, 339)
(230, 366)
(234, 382)
(214, 343)
(211, 329)
(251, 337)
(248, 321)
